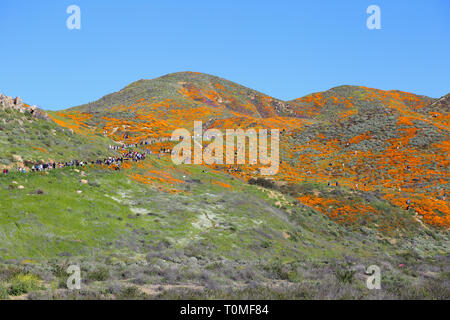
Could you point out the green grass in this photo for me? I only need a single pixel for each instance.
(35, 140)
(22, 284)
(104, 216)
(4, 294)
(120, 229)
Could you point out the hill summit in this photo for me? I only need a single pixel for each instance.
(190, 90)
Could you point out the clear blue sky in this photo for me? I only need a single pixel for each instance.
(286, 49)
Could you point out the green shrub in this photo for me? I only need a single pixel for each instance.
(23, 283)
(100, 274)
(277, 270)
(129, 293)
(7, 272)
(345, 275)
(3, 292)
(265, 183)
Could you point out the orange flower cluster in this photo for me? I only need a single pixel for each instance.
(344, 213)
(358, 139)
(40, 149)
(222, 184)
(433, 211)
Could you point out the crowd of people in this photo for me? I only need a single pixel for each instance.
(54, 165)
(127, 146)
(116, 161)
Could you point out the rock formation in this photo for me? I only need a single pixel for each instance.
(17, 104)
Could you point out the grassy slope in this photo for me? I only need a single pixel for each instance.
(35, 140)
(227, 216)
(218, 235)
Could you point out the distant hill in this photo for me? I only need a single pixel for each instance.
(150, 108)
(344, 100)
(190, 89)
(223, 97)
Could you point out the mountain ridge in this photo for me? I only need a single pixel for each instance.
(174, 81)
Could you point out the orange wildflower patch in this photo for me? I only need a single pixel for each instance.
(433, 211)
(222, 184)
(405, 121)
(40, 149)
(358, 139)
(344, 213)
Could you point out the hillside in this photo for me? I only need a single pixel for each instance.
(365, 139)
(370, 139)
(351, 158)
(156, 230)
(154, 108)
(28, 135)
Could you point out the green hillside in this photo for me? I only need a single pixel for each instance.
(350, 159)
(24, 138)
(209, 239)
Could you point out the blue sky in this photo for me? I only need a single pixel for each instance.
(286, 49)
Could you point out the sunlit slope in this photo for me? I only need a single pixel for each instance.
(25, 139)
(343, 101)
(122, 214)
(187, 90)
(364, 139)
(373, 140)
(152, 108)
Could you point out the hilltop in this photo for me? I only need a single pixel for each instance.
(189, 90)
(343, 101)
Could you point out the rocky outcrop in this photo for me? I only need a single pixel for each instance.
(17, 104)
